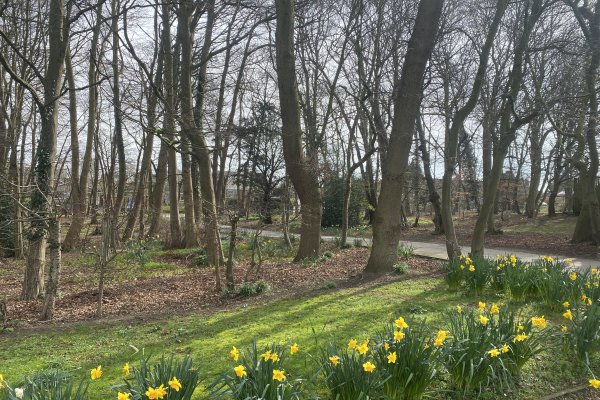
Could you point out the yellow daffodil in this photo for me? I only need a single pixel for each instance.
(495, 309)
(274, 357)
(564, 328)
(483, 320)
(96, 373)
(386, 346)
(573, 276)
(594, 271)
(1, 381)
(126, 369)
(398, 335)
(278, 375)
(461, 267)
(156, 393)
(595, 383)
(266, 355)
(520, 327)
(369, 367)
(352, 344)
(362, 349)
(459, 309)
(494, 352)
(175, 384)
(335, 360)
(391, 358)
(234, 353)
(520, 337)
(569, 260)
(240, 371)
(401, 324)
(123, 396)
(568, 315)
(505, 348)
(294, 348)
(540, 322)
(440, 337)
(471, 268)
(566, 304)
(468, 260)
(481, 306)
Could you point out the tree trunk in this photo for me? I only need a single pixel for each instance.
(79, 210)
(508, 127)
(303, 172)
(157, 193)
(54, 270)
(387, 224)
(118, 119)
(434, 197)
(232, 242)
(33, 283)
(190, 129)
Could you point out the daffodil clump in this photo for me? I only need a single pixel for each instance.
(168, 378)
(410, 362)
(547, 279)
(54, 384)
(488, 346)
(350, 371)
(581, 329)
(258, 374)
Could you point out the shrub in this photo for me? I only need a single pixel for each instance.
(333, 200)
(409, 365)
(400, 268)
(328, 285)
(405, 251)
(176, 378)
(201, 258)
(349, 372)
(53, 384)
(253, 289)
(257, 376)
(137, 251)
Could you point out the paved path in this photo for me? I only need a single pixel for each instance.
(438, 250)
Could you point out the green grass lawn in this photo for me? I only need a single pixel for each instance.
(357, 312)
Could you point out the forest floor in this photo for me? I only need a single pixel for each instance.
(543, 235)
(172, 283)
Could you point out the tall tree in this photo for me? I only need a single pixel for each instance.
(387, 223)
(301, 169)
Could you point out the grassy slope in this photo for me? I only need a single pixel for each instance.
(355, 312)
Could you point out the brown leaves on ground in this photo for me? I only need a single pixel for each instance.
(190, 290)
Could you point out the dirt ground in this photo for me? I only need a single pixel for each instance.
(191, 288)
